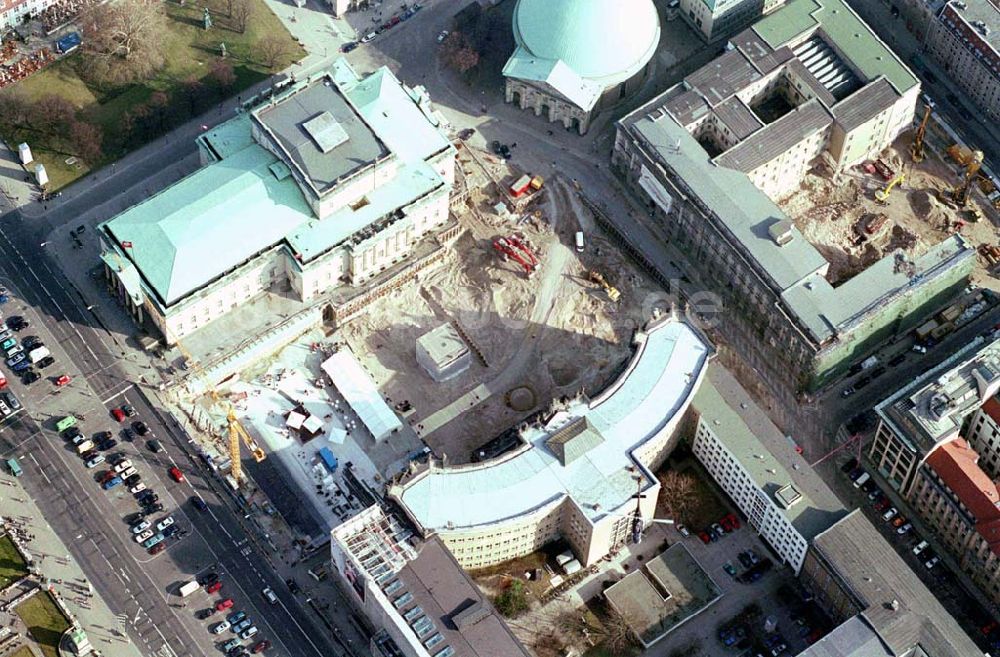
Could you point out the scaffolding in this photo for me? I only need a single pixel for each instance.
(380, 545)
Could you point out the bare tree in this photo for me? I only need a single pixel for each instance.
(458, 54)
(123, 40)
(241, 11)
(15, 109)
(678, 493)
(616, 635)
(272, 50)
(87, 141)
(222, 73)
(52, 114)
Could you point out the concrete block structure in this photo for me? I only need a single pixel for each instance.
(443, 353)
(578, 468)
(936, 444)
(415, 594)
(783, 499)
(717, 19)
(321, 184)
(709, 156)
(880, 606)
(576, 57)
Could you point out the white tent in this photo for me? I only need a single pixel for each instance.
(361, 394)
(294, 420)
(312, 424)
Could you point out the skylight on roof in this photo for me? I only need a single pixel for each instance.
(326, 131)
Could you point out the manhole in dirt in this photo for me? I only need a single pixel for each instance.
(563, 374)
(521, 398)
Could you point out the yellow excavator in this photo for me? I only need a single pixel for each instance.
(237, 432)
(960, 195)
(882, 195)
(597, 277)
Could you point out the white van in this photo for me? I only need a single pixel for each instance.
(579, 241)
(860, 481)
(37, 354)
(85, 446)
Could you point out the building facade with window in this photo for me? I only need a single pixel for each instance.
(716, 19)
(321, 184)
(574, 58)
(579, 468)
(14, 13)
(964, 39)
(759, 469)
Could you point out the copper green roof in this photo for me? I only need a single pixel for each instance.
(844, 29)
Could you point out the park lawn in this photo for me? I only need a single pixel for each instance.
(12, 564)
(45, 622)
(189, 51)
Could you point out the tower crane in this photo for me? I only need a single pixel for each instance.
(917, 147)
(882, 195)
(960, 195)
(237, 431)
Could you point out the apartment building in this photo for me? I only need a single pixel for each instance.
(880, 605)
(759, 469)
(709, 156)
(982, 431)
(326, 183)
(717, 19)
(416, 595)
(964, 39)
(578, 468)
(14, 13)
(931, 411)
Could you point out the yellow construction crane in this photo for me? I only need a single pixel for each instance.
(917, 147)
(236, 430)
(882, 195)
(598, 277)
(960, 195)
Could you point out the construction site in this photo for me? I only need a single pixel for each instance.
(528, 305)
(911, 197)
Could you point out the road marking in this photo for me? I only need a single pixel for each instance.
(118, 394)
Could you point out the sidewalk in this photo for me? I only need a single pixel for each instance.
(63, 574)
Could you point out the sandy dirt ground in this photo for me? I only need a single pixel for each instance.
(834, 212)
(554, 332)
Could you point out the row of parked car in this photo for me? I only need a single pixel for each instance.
(21, 356)
(726, 525)
(387, 25)
(890, 514)
(236, 622)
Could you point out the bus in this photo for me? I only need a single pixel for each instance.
(65, 423)
(14, 467)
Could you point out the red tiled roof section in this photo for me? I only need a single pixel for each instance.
(992, 408)
(956, 463)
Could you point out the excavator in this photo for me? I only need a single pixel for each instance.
(882, 195)
(917, 147)
(960, 195)
(597, 277)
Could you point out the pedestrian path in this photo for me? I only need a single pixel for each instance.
(60, 572)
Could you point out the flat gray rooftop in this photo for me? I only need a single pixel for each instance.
(321, 134)
(870, 568)
(443, 591)
(777, 138)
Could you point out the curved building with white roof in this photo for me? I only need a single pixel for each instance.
(574, 57)
(579, 467)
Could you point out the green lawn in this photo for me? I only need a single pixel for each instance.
(45, 622)
(23, 651)
(190, 51)
(12, 565)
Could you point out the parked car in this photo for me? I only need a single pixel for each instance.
(95, 461)
(140, 427)
(117, 414)
(163, 524)
(442, 35)
(142, 536)
(242, 625)
(150, 542)
(249, 632)
(920, 547)
(889, 514)
(349, 46)
(236, 617)
(369, 37)
(214, 587)
(260, 646)
(111, 483)
(904, 528)
(219, 628)
(933, 561)
(850, 465)
(729, 568)
(45, 362)
(141, 527)
(156, 549)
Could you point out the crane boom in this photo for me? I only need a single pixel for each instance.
(917, 147)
